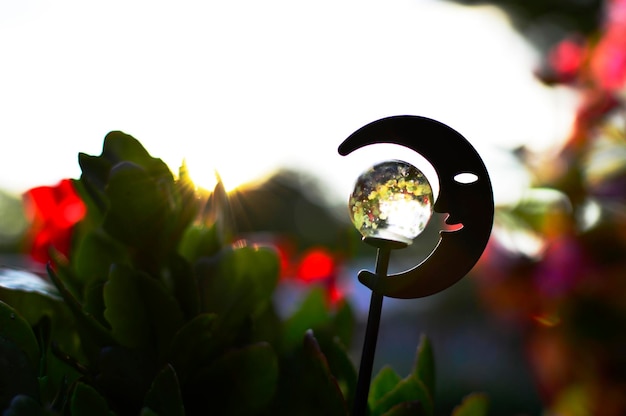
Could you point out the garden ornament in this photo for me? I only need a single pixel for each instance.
(391, 204)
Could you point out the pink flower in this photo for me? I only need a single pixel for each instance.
(608, 62)
(566, 59)
(564, 265)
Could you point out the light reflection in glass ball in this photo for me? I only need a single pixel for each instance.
(392, 201)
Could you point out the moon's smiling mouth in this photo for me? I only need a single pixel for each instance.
(451, 224)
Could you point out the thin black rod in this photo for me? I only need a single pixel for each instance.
(371, 336)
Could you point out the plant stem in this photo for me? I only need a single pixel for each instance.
(371, 335)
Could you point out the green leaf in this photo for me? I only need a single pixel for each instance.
(139, 309)
(475, 404)
(409, 389)
(33, 306)
(125, 310)
(91, 194)
(86, 401)
(308, 384)
(384, 382)
(19, 355)
(94, 301)
(92, 333)
(237, 284)
(242, 381)
(266, 326)
(39, 303)
(15, 328)
(163, 311)
(164, 396)
(406, 409)
(95, 174)
(180, 281)
(92, 260)
(340, 366)
(199, 241)
(344, 323)
(43, 333)
(322, 387)
(124, 376)
(140, 212)
(34, 298)
(94, 255)
(424, 368)
(188, 202)
(120, 147)
(192, 345)
(313, 313)
(219, 212)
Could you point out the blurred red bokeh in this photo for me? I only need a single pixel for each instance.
(567, 295)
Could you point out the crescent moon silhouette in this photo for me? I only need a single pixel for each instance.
(467, 203)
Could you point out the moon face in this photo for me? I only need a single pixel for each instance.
(465, 194)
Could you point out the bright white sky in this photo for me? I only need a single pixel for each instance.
(245, 86)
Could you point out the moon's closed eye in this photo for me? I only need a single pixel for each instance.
(469, 208)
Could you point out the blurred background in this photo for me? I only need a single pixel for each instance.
(264, 92)
(276, 83)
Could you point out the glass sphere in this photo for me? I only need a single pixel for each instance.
(393, 201)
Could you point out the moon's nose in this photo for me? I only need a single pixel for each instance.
(452, 224)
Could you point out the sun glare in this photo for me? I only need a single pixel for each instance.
(243, 99)
(206, 174)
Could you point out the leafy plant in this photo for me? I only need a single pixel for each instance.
(158, 310)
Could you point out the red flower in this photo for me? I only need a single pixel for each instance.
(53, 212)
(318, 266)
